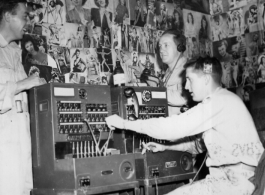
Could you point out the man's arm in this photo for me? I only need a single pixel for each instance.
(10, 89)
(198, 119)
(191, 146)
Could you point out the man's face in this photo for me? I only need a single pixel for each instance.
(195, 84)
(77, 54)
(77, 2)
(167, 49)
(222, 50)
(18, 22)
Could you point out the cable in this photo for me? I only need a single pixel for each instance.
(171, 72)
(105, 146)
(199, 169)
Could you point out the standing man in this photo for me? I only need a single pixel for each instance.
(228, 131)
(15, 143)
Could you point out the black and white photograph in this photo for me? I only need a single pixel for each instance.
(138, 12)
(34, 50)
(132, 97)
(61, 55)
(250, 13)
(54, 11)
(121, 12)
(198, 5)
(73, 35)
(216, 7)
(253, 43)
(233, 4)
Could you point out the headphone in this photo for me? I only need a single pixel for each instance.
(181, 39)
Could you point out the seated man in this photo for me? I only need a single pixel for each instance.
(227, 128)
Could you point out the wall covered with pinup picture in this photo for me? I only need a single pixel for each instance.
(84, 39)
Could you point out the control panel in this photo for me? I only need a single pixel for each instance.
(72, 146)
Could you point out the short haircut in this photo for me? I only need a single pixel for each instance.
(177, 36)
(97, 4)
(9, 6)
(198, 66)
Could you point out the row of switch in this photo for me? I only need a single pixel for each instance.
(68, 129)
(96, 107)
(99, 127)
(79, 137)
(96, 117)
(147, 109)
(70, 118)
(68, 107)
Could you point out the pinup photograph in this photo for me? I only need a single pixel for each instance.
(93, 37)
(262, 42)
(192, 47)
(35, 18)
(209, 48)
(226, 76)
(129, 62)
(105, 60)
(220, 26)
(261, 14)
(34, 50)
(198, 5)
(151, 15)
(235, 22)
(147, 70)
(249, 70)
(232, 73)
(124, 37)
(116, 33)
(52, 32)
(216, 7)
(40, 71)
(102, 14)
(138, 12)
(61, 55)
(78, 11)
(74, 35)
(204, 32)
(54, 11)
(251, 17)
(233, 4)
(95, 75)
(253, 43)
(193, 21)
(157, 34)
(134, 38)
(121, 12)
(164, 15)
(125, 61)
(222, 50)
(261, 69)
(77, 60)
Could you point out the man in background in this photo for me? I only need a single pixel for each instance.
(15, 143)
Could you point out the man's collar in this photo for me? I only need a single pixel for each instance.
(207, 98)
(3, 42)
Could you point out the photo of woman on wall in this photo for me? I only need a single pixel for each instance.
(33, 51)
